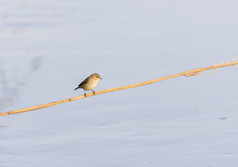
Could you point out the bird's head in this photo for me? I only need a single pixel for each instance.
(96, 76)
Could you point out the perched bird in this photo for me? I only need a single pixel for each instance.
(89, 83)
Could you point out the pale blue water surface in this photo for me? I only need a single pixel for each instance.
(48, 47)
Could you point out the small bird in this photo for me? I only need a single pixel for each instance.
(89, 83)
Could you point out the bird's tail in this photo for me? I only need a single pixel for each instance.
(76, 88)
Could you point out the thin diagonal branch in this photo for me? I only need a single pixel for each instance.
(188, 73)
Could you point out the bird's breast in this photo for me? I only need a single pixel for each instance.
(91, 85)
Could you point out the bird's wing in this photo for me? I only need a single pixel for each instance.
(84, 82)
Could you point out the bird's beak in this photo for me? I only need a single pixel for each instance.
(100, 78)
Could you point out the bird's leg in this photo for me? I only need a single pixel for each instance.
(93, 92)
(84, 94)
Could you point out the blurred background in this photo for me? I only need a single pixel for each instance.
(49, 46)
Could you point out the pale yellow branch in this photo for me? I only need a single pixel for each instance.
(235, 66)
(186, 73)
